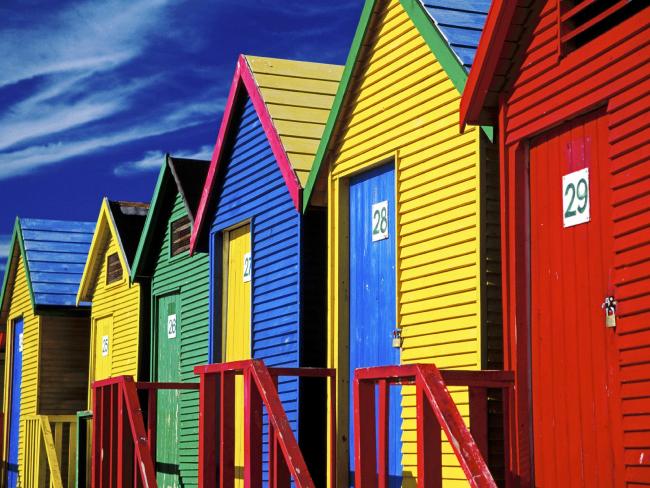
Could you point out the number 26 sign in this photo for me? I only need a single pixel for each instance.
(575, 198)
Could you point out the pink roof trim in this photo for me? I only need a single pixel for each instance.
(244, 79)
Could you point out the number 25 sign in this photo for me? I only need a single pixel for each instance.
(575, 198)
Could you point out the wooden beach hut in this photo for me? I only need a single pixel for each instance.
(46, 367)
(119, 315)
(267, 258)
(568, 84)
(413, 214)
(179, 286)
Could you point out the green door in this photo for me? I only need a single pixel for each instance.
(167, 370)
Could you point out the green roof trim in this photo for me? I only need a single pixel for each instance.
(16, 236)
(151, 221)
(433, 38)
(338, 101)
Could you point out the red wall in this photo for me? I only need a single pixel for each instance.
(613, 72)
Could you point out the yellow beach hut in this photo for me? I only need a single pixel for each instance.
(413, 204)
(46, 367)
(119, 313)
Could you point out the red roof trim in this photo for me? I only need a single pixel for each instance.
(487, 58)
(244, 78)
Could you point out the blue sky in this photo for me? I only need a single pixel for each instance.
(93, 93)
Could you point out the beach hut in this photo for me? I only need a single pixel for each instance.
(567, 83)
(46, 371)
(179, 313)
(413, 213)
(267, 274)
(120, 309)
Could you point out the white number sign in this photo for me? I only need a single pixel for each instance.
(379, 221)
(248, 267)
(575, 198)
(20, 342)
(104, 346)
(171, 326)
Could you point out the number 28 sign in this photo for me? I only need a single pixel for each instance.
(379, 221)
(575, 198)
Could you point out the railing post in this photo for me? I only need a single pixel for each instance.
(365, 469)
(384, 411)
(252, 432)
(227, 430)
(333, 439)
(152, 419)
(429, 450)
(478, 418)
(207, 431)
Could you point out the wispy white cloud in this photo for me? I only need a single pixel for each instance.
(23, 161)
(48, 111)
(152, 160)
(90, 36)
(5, 241)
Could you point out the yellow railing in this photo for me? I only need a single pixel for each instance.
(50, 451)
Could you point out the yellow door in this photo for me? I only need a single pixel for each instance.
(103, 347)
(237, 324)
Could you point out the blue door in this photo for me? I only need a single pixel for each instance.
(372, 292)
(14, 405)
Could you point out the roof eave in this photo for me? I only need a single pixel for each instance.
(488, 55)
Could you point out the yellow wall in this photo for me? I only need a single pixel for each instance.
(21, 306)
(404, 106)
(121, 301)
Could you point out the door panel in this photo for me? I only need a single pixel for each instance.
(103, 348)
(14, 405)
(168, 340)
(372, 291)
(237, 325)
(574, 371)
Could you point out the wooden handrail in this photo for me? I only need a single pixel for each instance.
(435, 410)
(216, 418)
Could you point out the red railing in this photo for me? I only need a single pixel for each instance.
(123, 445)
(217, 429)
(436, 411)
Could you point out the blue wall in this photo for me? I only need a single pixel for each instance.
(251, 186)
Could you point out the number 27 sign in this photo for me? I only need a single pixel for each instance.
(575, 198)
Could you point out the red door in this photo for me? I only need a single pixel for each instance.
(576, 408)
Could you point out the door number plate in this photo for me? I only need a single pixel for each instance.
(575, 198)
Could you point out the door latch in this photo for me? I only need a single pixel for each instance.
(397, 338)
(609, 306)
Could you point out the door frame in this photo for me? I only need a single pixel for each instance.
(155, 297)
(9, 365)
(93, 337)
(338, 323)
(225, 253)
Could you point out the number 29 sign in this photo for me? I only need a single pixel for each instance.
(575, 198)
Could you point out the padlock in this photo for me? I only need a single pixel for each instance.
(609, 305)
(610, 320)
(397, 338)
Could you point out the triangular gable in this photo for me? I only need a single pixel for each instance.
(452, 27)
(122, 228)
(16, 249)
(177, 175)
(292, 100)
(53, 254)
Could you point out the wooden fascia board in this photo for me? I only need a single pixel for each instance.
(16, 239)
(243, 80)
(339, 101)
(150, 223)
